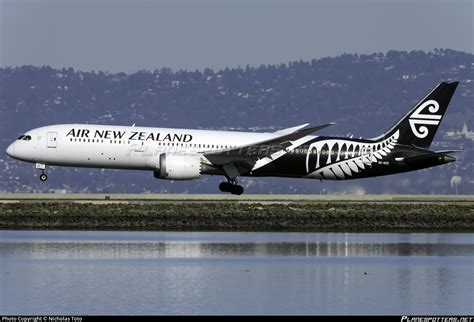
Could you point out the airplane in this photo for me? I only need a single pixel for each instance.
(185, 154)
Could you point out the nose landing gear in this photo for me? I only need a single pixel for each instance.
(43, 176)
(232, 187)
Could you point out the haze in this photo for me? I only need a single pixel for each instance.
(127, 36)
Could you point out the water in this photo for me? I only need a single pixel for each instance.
(235, 273)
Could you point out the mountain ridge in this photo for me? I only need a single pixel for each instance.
(363, 94)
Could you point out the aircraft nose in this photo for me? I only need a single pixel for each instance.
(11, 150)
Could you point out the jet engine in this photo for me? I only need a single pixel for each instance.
(175, 166)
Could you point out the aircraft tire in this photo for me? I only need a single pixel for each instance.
(237, 190)
(225, 187)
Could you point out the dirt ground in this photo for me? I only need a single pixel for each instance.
(192, 215)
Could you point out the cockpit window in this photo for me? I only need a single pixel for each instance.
(27, 138)
(21, 137)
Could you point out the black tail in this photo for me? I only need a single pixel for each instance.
(418, 127)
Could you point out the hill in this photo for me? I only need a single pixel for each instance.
(363, 94)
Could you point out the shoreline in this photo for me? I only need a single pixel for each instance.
(12, 197)
(330, 215)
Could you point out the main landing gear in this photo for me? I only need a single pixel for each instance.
(232, 187)
(231, 173)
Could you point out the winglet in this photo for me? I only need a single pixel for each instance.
(291, 129)
(315, 128)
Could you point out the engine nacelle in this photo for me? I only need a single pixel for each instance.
(175, 166)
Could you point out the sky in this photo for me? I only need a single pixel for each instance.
(131, 35)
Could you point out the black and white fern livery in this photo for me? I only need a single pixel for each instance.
(340, 159)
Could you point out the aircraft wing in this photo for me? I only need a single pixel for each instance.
(243, 158)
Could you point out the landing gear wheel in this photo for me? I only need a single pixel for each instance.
(225, 187)
(237, 190)
(43, 177)
(231, 187)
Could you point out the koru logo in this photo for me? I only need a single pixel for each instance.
(418, 120)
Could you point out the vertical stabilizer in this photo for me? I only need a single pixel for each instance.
(418, 127)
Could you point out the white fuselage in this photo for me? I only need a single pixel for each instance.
(121, 147)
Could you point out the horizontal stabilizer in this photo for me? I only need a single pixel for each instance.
(430, 158)
(449, 151)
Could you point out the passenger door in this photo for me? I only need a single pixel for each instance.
(139, 147)
(52, 139)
